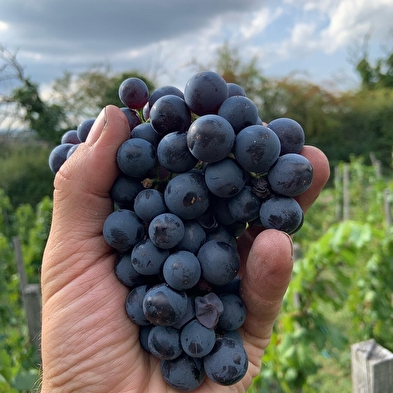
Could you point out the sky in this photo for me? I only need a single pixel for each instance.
(318, 39)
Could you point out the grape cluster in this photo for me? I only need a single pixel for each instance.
(199, 167)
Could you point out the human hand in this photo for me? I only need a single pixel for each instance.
(88, 342)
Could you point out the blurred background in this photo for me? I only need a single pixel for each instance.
(328, 65)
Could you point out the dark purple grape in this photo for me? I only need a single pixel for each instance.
(136, 157)
(134, 303)
(164, 342)
(225, 178)
(166, 230)
(144, 336)
(124, 191)
(197, 340)
(184, 373)
(235, 90)
(148, 259)
(164, 91)
(173, 153)
(134, 93)
(291, 175)
(227, 363)
(186, 195)
(70, 136)
(164, 306)
(240, 111)
(182, 270)
(71, 150)
(147, 132)
(84, 128)
(222, 234)
(244, 206)
(190, 314)
(125, 271)
(169, 114)
(221, 211)
(205, 92)
(149, 203)
(290, 133)
(220, 262)
(123, 229)
(234, 313)
(210, 138)
(194, 237)
(208, 309)
(256, 148)
(58, 156)
(132, 117)
(282, 213)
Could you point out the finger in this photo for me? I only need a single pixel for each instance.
(83, 183)
(266, 278)
(321, 173)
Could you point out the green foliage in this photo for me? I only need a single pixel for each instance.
(43, 117)
(24, 172)
(18, 360)
(376, 76)
(341, 288)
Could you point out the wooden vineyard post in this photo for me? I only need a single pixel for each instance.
(372, 368)
(31, 298)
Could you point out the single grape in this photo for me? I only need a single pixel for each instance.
(194, 237)
(234, 313)
(186, 195)
(184, 373)
(84, 128)
(256, 148)
(291, 175)
(244, 206)
(205, 92)
(58, 156)
(149, 203)
(282, 213)
(136, 157)
(197, 340)
(125, 271)
(134, 302)
(123, 229)
(240, 111)
(70, 136)
(173, 153)
(182, 270)
(166, 230)
(210, 138)
(225, 178)
(169, 114)
(147, 132)
(164, 342)
(290, 133)
(164, 306)
(227, 363)
(144, 336)
(124, 191)
(164, 91)
(132, 117)
(134, 93)
(148, 259)
(235, 90)
(220, 262)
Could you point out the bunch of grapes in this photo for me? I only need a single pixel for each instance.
(199, 167)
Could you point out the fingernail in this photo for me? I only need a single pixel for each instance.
(97, 128)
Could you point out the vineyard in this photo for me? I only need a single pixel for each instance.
(340, 294)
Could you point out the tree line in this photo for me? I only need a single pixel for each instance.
(342, 123)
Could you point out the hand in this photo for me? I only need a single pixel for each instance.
(88, 342)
